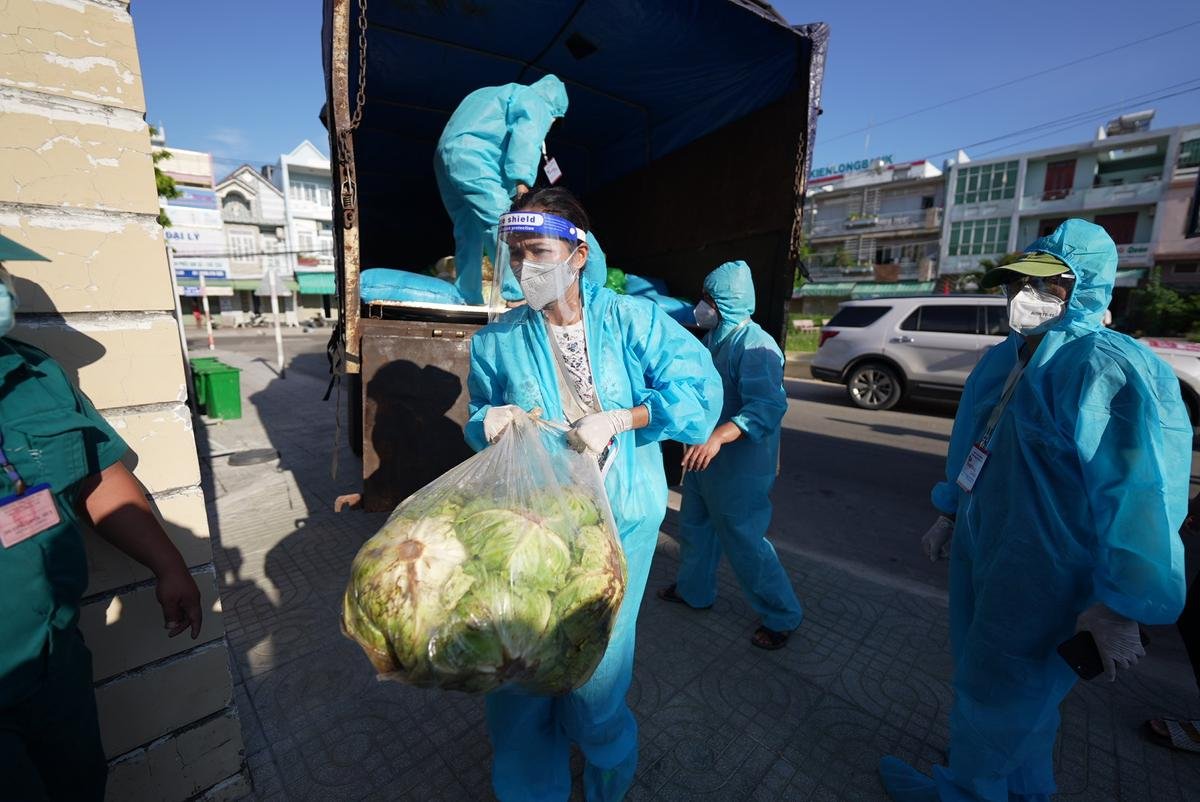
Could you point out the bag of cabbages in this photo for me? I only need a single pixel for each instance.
(505, 571)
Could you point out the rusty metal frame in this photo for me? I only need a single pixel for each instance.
(347, 233)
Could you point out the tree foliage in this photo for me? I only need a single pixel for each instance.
(1159, 311)
(163, 182)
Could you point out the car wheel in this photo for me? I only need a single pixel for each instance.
(874, 386)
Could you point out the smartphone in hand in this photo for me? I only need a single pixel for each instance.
(1083, 655)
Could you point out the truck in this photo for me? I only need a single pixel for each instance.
(688, 137)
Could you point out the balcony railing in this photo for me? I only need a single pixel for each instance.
(1053, 200)
(923, 218)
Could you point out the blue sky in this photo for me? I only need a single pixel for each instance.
(243, 79)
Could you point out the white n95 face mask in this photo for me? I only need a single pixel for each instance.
(543, 283)
(706, 316)
(1033, 311)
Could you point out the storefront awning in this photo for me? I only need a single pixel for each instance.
(825, 289)
(887, 289)
(316, 283)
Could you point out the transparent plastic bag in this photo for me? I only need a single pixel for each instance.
(505, 571)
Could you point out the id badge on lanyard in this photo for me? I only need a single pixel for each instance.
(551, 168)
(28, 511)
(977, 458)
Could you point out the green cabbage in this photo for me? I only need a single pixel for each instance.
(474, 595)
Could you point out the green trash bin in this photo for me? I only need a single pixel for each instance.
(200, 368)
(223, 396)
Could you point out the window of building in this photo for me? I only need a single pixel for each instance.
(1121, 227)
(979, 237)
(1060, 177)
(1189, 154)
(1186, 269)
(236, 207)
(903, 253)
(1049, 225)
(242, 246)
(926, 201)
(306, 242)
(988, 182)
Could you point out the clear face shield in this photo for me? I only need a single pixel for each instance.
(542, 256)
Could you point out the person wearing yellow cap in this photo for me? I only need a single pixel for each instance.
(60, 469)
(1066, 484)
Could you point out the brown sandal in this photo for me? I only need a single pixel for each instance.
(670, 593)
(1180, 734)
(769, 639)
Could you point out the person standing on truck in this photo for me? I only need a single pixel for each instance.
(624, 376)
(487, 155)
(1066, 485)
(59, 469)
(727, 489)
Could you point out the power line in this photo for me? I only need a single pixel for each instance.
(1072, 124)
(1012, 81)
(1078, 117)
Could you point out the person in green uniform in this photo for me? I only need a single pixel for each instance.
(60, 470)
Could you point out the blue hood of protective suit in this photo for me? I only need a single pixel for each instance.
(553, 92)
(732, 288)
(1089, 251)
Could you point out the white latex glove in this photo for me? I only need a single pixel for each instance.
(497, 419)
(1116, 636)
(936, 542)
(594, 432)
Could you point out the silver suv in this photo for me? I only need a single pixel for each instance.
(888, 348)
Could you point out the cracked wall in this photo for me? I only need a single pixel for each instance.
(77, 185)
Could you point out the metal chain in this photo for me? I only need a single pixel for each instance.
(360, 99)
(349, 187)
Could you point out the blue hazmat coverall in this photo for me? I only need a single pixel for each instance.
(1080, 501)
(727, 507)
(492, 142)
(638, 356)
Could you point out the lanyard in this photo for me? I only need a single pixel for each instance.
(1010, 386)
(10, 470)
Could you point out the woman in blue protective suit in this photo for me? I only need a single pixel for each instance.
(624, 376)
(1066, 485)
(487, 155)
(727, 490)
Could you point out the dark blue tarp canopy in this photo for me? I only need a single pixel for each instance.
(644, 77)
(687, 135)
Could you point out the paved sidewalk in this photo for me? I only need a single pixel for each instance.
(865, 676)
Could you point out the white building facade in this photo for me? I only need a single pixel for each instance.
(1000, 205)
(253, 212)
(871, 228)
(304, 178)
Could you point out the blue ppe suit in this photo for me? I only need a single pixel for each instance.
(727, 507)
(1080, 501)
(638, 356)
(492, 142)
